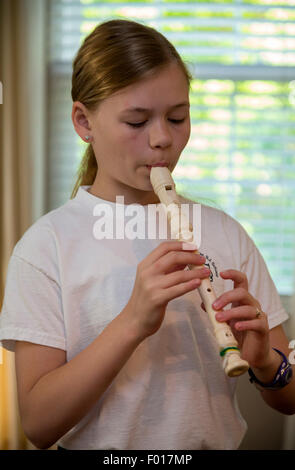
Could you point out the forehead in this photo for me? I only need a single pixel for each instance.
(166, 87)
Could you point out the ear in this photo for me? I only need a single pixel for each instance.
(80, 118)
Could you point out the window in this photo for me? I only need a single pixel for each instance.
(241, 155)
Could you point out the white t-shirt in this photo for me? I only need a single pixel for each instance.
(64, 286)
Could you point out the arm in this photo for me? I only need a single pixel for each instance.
(281, 400)
(256, 340)
(63, 392)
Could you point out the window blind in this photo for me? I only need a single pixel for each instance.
(241, 154)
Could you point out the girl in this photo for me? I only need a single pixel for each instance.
(112, 347)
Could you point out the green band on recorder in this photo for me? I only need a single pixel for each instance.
(223, 351)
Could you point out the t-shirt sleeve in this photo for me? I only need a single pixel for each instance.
(32, 305)
(262, 287)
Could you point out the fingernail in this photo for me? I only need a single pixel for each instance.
(219, 316)
(206, 271)
(189, 246)
(216, 304)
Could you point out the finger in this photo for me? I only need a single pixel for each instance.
(260, 325)
(164, 248)
(179, 290)
(244, 312)
(240, 295)
(184, 276)
(175, 259)
(239, 278)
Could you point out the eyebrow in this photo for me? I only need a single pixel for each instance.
(142, 110)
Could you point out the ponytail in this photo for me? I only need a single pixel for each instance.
(87, 170)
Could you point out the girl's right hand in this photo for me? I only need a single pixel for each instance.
(161, 277)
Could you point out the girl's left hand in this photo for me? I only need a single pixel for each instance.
(248, 326)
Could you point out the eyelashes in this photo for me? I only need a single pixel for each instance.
(141, 124)
(136, 124)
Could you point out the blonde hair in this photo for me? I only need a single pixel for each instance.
(116, 54)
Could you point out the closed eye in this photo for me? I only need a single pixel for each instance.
(177, 121)
(136, 124)
(142, 123)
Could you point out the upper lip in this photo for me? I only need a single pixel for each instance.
(158, 164)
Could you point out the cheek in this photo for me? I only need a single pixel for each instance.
(184, 136)
(131, 140)
(124, 133)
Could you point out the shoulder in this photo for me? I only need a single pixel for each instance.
(38, 246)
(214, 216)
(221, 231)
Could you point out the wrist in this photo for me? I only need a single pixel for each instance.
(131, 325)
(267, 372)
(281, 378)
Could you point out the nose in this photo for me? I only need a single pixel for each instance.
(159, 135)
